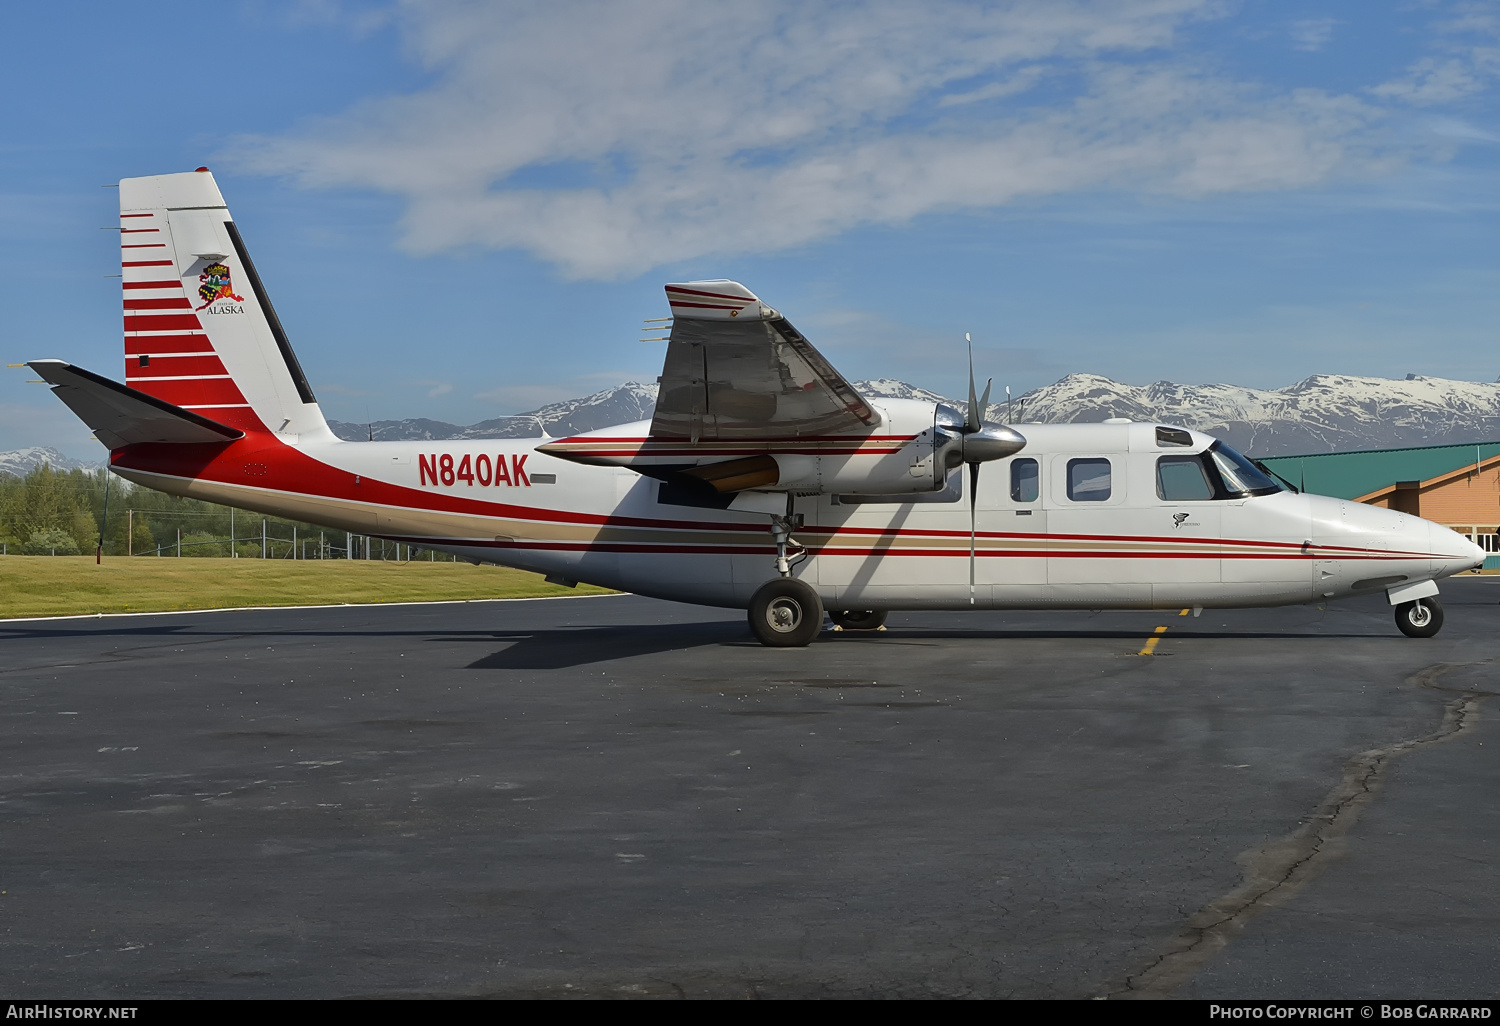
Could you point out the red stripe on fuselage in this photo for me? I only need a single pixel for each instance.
(295, 473)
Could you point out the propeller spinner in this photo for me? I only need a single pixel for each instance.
(975, 442)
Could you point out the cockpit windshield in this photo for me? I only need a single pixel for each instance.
(1241, 477)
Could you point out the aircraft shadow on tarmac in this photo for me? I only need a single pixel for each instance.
(577, 646)
(560, 649)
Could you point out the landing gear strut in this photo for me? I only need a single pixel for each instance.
(781, 534)
(786, 612)
(1420, 619)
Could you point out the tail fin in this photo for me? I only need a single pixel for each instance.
(200, 332)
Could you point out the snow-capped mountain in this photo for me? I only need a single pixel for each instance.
(628, 402)
(21, 462)
(890, 388)
(1324, 413)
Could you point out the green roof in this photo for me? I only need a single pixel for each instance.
(1348, 475)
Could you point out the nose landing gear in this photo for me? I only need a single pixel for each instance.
(1420, 619)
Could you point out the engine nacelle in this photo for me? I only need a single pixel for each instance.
(911, 452)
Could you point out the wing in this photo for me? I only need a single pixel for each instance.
(120, 415)
(736, 370)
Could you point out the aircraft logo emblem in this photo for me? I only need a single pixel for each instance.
(1179, 518)
(214, 284)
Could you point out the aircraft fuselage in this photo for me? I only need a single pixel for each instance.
(1049, 535)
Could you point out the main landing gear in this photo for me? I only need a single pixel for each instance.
(788, 613)
(1420, 619)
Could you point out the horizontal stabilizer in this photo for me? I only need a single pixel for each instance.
(121, 416)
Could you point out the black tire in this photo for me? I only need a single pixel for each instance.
(1420, 619)
(859, 619)
(785, 613)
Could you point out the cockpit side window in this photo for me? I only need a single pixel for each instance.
(1182, 479)
(1240, 476)
(1024, 480)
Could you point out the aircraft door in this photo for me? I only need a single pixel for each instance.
(1086, 495)
(1012, 519)
(1185, 523)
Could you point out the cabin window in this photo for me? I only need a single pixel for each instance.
(1181, 479)
(1024, 480)
(1173, 436)
(1088, 480)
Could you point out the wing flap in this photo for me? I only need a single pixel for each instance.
(737, 370)
(120, 415)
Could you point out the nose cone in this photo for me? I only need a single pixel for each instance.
(1389, 542)
(992, 442)
(1453, 553)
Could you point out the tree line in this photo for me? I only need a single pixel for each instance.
(61, 512)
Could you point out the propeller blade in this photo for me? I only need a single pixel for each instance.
(973, 501)
(973, 421)
(984, 400)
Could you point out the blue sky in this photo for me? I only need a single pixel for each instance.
(464, 210)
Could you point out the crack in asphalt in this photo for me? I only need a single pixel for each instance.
(1276, 872)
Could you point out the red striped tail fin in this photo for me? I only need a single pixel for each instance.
(200, 331)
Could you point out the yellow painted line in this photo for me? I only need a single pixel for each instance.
(1150, 648)
(1185, 612)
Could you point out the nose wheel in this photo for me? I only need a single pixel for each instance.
(1420, 619)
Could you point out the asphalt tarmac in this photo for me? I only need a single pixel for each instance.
(622, 797)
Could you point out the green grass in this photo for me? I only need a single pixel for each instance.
(71, 585)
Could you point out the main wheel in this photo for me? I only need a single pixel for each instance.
(859, 619)
(1420, 619)
(785, 613)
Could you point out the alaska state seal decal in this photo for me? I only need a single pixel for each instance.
(214, 284)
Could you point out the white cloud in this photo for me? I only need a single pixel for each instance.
(1467, 61)
(1312, 33)
(1434, 80)
(612, 137)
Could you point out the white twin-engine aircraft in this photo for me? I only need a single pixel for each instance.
(763, 481)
